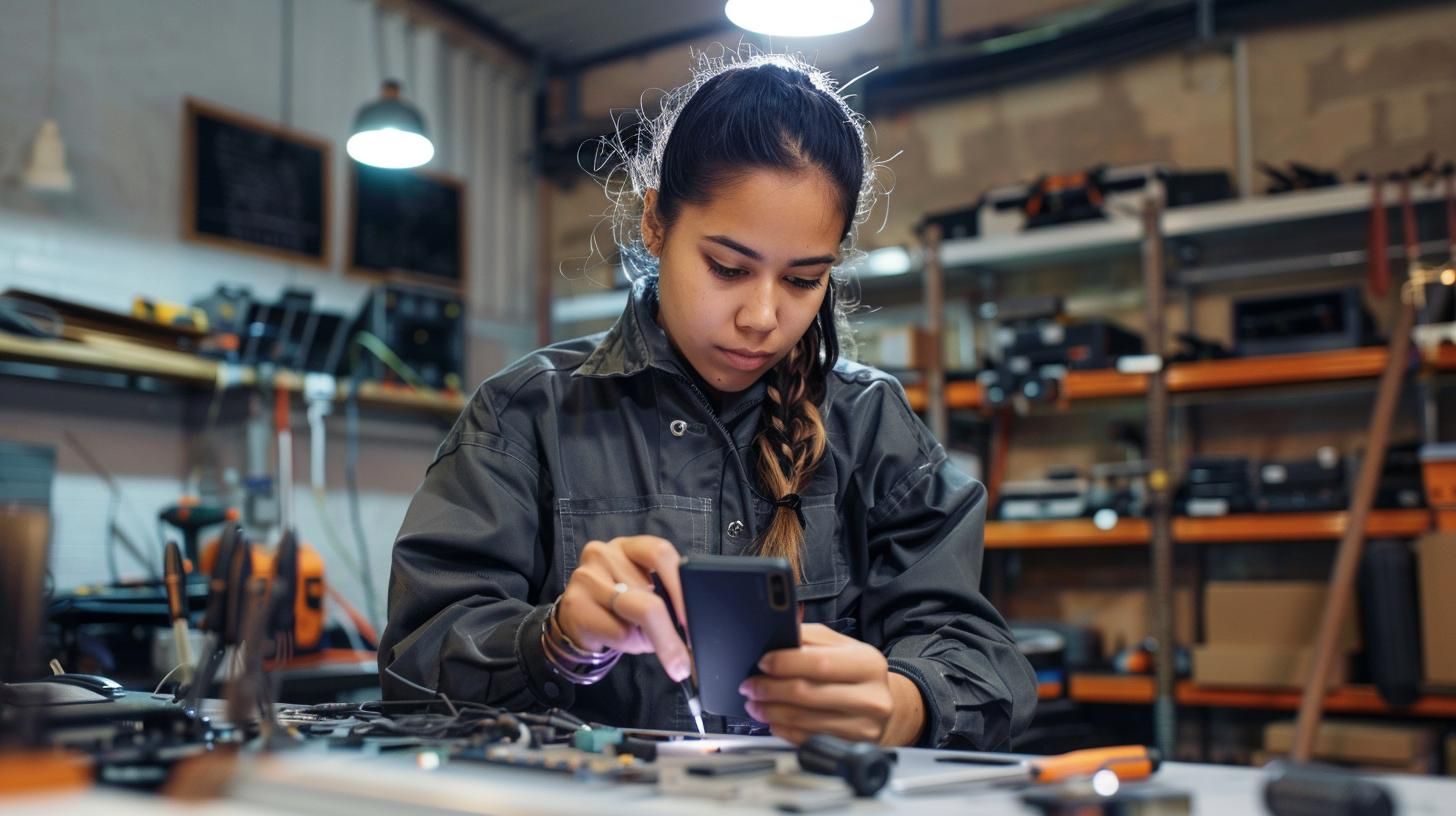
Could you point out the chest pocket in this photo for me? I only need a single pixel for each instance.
(826, 568)
(683, 520)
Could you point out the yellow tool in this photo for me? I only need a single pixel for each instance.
(169, 314)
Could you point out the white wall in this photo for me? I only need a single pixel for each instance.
(123, 69)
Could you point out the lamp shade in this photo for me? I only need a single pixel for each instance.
(46, 171)
(390, 132)
(799, 18)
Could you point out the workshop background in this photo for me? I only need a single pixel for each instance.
(205, 239)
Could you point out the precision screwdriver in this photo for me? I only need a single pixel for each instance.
(690, 693)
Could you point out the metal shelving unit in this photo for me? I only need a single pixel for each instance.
(1188, 247)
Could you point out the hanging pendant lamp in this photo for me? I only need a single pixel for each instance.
(390, 132)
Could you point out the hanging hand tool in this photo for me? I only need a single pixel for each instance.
(1131, 763)
(175, 580)
(192, 517)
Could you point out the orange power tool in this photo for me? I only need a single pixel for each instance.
(1131, 763)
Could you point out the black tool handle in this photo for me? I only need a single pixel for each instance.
(864, 765)
(175, 580)
(1313, 790)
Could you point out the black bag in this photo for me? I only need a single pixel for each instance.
(1390, 614)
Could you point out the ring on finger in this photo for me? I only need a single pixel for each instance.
(618, 590)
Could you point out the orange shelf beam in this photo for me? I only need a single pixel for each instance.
(1210, 375)
(1296, 526)
(1140, 690)
(1026, 535)
(1049, 690)
(1012, 535)
(1080, 385)
(1282, 369)
(1111, 688)
(1443, 358)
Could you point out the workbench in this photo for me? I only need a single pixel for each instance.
(356, 784)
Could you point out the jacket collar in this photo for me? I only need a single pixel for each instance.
(636, 342)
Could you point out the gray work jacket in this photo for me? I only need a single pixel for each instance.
(609, 436)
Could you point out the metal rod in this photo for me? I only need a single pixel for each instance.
(1155, 287)
(935, 347)
(1243, 118)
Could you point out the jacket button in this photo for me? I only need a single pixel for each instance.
(678, 427)
(735, 529)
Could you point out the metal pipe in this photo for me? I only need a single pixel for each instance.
(1155, 286)
(1243, 118)
(934, 345)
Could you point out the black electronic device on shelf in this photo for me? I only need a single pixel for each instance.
(1037, 345)
(1094, 194)
(1401, 485)
(1216, 486)
(1319, 484)
(423, 326)
(1062, 494)
(963, 222)
(1120, 488)
(1301, 323)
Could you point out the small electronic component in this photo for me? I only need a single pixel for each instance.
(596, 740)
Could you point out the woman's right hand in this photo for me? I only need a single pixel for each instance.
(596, 615)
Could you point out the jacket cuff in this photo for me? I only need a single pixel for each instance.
(549, 688)
(933, 692)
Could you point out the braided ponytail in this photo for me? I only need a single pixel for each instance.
(791, 437)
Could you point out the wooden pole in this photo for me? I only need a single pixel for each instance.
(1352, 545)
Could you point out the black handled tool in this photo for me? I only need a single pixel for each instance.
(1313, 790)
(864, 765)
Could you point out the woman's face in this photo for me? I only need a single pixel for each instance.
(742, 276)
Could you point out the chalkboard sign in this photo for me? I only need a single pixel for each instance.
(253, 185)
(408, 223)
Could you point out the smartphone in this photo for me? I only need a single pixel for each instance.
(739, 609)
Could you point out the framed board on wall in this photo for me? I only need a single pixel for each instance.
(407, 224)
(255, 186)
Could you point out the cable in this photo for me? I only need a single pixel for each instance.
(371, 343)
(114, 532)
(165, 678)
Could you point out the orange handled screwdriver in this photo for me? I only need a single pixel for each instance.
(1131, 763)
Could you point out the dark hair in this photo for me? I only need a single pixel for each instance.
(766, 112)
(769, 116)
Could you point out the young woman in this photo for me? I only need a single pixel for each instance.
(716, 416)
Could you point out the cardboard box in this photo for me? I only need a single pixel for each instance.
(1285, 613)
(1357, 741)
(1436, 554)
(1124, 617)
(1253, 664)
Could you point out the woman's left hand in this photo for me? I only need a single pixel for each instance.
(834, 684)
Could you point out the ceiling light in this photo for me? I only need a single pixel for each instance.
(390, 132)
(885, 261)
(799, 18)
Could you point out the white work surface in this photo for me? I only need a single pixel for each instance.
(353, 784)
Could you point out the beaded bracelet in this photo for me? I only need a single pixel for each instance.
(577, 665)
